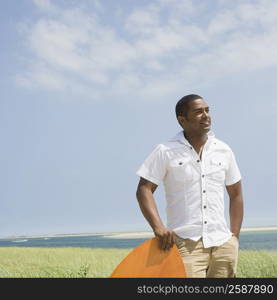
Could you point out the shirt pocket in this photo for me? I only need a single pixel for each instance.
(218, 167)
(181, 169)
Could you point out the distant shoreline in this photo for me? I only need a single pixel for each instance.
(258, 228)
(127, 235)
(146, 234)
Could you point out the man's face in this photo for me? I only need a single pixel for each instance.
(198, 120)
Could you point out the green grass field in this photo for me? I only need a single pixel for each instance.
(18, 262)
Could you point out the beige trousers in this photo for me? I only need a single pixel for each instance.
(213, 262)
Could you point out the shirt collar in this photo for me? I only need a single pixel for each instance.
(179, 137)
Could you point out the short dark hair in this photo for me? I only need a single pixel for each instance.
(182, 105)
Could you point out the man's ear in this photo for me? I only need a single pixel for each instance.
(181, 120)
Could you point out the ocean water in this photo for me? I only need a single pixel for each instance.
(258, 240)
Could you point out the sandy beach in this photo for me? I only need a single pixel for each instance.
(149, 234)
(258, 228)
(38, 236)
(123, 235)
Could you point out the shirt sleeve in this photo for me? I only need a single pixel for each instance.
(154, 167)
(233, 174)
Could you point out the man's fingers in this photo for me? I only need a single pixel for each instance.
(167, 242)
(171, 240)
(164, 241)
(160, 238)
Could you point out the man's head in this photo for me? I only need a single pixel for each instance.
(192, 113)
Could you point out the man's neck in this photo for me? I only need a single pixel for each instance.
(196, 140)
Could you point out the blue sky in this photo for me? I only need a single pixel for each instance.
(88, 89)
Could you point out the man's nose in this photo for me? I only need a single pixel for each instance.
(205, 115)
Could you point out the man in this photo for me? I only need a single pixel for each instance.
(194, 167)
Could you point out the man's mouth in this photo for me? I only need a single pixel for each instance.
(207, 124)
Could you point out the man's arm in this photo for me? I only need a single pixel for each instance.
(149, 209)
(236, 207)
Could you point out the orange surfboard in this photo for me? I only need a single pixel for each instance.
(149, 261)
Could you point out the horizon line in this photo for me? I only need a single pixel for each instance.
(248, 228)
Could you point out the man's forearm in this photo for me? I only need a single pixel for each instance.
(236, 214)
(148, 208)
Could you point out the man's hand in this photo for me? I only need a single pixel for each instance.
(165, 237)
(236, 235)
(236, 207)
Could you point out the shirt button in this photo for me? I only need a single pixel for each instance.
(203, 176)
(205, 206)
(205, 222)
(198, 160)
(190, 147)
(204, 191)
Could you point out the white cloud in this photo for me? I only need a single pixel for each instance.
(42, 76)
(143, 21)
(45, 5)
(55, 43)
(159, 47)
(222, 23)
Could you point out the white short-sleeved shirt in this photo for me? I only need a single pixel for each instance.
(194, 188)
